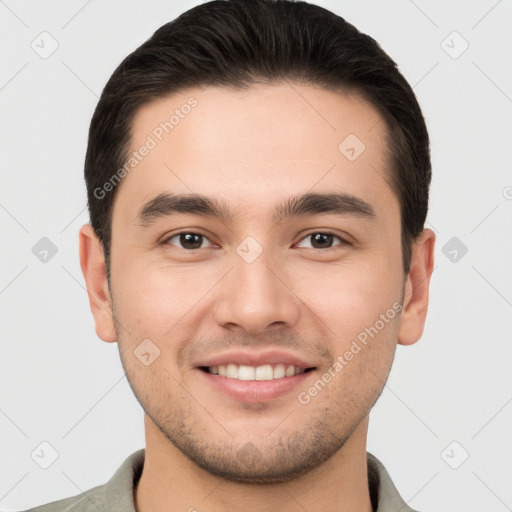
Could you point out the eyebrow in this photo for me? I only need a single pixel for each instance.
(167, 204)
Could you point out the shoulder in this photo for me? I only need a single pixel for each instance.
(88, 501)
(115, 495)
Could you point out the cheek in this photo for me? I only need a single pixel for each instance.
(155, 300)
(350, 297)
(357, 305)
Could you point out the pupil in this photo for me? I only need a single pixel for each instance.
(322, 239)
(191, 240)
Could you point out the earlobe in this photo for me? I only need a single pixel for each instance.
(92, 262)
(416, 292)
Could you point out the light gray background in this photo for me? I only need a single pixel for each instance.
(62, 385)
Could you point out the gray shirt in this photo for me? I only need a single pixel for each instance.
(117, 494)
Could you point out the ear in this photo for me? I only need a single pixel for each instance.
(92, 262)
(415, 302)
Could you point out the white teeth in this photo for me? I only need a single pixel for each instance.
(232, 371)
(264, 372)
(290, 370)
(246, 372)
(279, 371)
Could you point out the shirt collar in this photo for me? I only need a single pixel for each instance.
(385, 496)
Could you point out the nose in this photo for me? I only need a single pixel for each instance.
(256, 297)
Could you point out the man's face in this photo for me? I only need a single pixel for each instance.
(263, 284)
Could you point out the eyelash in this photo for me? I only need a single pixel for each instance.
(341, 239)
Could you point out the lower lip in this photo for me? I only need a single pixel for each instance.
(256, 390)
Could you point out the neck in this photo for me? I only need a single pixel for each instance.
(169, 478)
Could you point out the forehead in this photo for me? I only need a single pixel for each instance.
(248, 146)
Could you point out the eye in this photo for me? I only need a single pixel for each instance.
(321, 240)
(188, 240)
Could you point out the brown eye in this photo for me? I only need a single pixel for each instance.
(321, 240)
(188, 241)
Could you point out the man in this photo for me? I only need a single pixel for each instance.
(258, 177)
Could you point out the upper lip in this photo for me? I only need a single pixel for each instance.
(256, 359)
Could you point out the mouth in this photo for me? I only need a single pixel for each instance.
(253, 384)
(255, 377)
(264, 372)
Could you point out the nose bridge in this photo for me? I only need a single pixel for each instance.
(254, 297)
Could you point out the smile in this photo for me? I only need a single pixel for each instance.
(263, 372)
